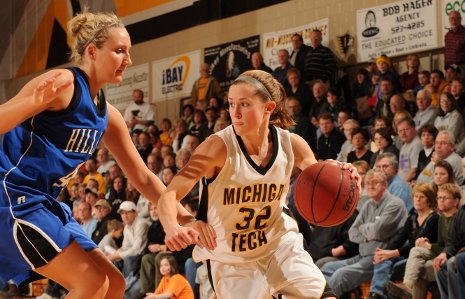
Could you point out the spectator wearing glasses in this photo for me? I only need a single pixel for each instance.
(380, 219)
(444, 264)
(299, 52)
(410, 150)
(443, 150)
(419, 270)
(388, 163)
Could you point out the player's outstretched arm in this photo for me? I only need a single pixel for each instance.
(36, 96)
(119, 143)
(206, 161)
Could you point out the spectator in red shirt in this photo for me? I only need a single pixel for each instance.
(454, 42)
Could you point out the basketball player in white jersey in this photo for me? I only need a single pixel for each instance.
(245, 169)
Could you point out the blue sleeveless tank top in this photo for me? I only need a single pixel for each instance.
(39, 156)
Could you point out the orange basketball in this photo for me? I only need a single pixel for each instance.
(325, 194)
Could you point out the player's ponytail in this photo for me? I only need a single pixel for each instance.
(270, 89)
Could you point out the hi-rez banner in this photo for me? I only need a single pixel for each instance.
(277, 40)
(135, 77)
(229, 60)
(396, 28)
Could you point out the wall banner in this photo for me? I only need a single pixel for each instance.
(277, 40)
(229, 60)
(135, 77)
(173, 77)
(396, 28)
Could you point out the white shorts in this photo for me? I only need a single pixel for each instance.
(289, 273)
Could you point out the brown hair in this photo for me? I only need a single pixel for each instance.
(279, 117)
(114, 225)
(450, 171)
(452, 189)
(171, 260)
(86, 28)
(428, 191)
(293, 70)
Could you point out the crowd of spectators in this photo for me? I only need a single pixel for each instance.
(405, 132)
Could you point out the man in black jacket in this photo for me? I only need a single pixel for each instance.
(299, 52)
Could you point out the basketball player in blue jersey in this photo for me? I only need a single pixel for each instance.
(245, 169)
(49, 132)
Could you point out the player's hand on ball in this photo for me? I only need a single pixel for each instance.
(353, 172)
(207, 235)
(179, 237)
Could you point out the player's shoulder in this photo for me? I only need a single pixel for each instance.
(65, 74)
(211, 146)
(297, 141)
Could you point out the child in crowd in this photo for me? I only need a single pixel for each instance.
(172, 284)
(168, 174)
(423, 79)
(115, 231)
(427, 134)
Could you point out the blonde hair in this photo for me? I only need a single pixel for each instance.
(86, 28)
(452, 189)
(279, 117)
(362, 164)
(371, 173)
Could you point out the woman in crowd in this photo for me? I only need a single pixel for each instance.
(443, 174)
(421, 223)
(449, 118)
(360, 138)
(384, 144)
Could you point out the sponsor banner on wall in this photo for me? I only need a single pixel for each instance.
(173, 77)
(447, 7)
(396, 28)
(277, 40)
(135, 77)
(229, 60)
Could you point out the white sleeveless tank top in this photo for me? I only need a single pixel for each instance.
(245, 201)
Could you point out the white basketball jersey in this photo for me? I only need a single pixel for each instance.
(245, 201)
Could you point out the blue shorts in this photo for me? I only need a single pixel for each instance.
(33, 230)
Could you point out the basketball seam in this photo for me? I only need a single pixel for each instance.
(313, 192)
(335, 200)
(342, 219)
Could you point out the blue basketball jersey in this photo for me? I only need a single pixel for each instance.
(37, 159)
(43, 152)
